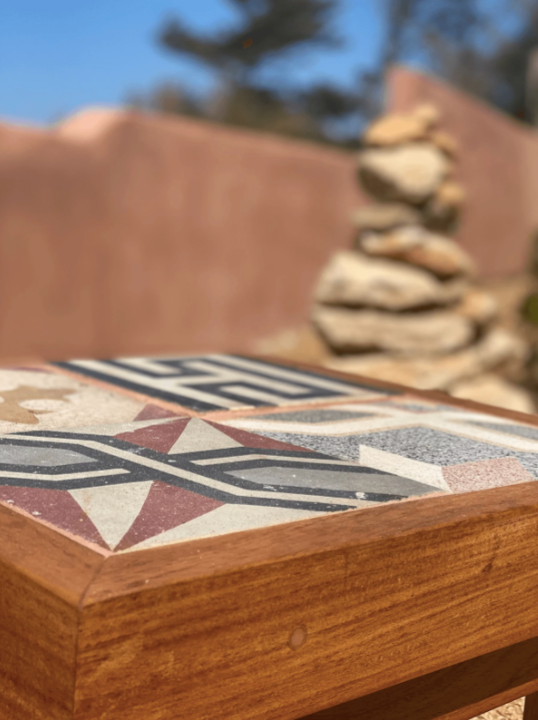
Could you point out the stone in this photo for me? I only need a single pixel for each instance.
(428, 113)
(420, 247)
(384, 216)
(302, 344)
(431, 332)
(436, 372)
(444, 142)
(478, 306)
(442, 210)
(410, 172)
(394, 129)
(493, 390)
(354, 279)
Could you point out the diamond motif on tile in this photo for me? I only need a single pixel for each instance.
(166, 507)
(112, 508)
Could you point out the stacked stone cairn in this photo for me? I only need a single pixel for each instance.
(401, 305)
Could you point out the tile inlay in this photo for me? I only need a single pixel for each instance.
(134, 486)
(222, 443)
(216, 382)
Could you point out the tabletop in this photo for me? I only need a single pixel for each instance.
(243, 537)
(134, 453)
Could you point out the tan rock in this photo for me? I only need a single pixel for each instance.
(354, 279)
(384, 216)
(409, 172)
(394, 129)
(450, 193)
(303, 344)
(419, 246)
(493, 390)
(478, 306)
(428, 113)
(444, 142)
(442, 210)
(436, 372)
(431, 332)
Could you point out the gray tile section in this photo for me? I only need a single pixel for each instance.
(46, 457)
(370, 482)
(344, 447)
(442, 448)
(314, 416)
(416, 443)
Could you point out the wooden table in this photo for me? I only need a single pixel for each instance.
(226, 537)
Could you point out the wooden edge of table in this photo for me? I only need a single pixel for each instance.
(133, 571)
(56, 562)
(424, 583)
(436, 395)
(43, 577)
(459, 692)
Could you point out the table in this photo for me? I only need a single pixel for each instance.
(223, 536)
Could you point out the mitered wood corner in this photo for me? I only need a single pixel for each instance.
(379, 597)
(271, 624)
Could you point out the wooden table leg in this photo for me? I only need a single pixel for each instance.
(531, 707)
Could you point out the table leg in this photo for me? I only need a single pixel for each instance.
(530, 711)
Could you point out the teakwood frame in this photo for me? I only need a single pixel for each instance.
(413, 610)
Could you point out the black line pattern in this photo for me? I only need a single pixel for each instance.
(224, 467)
(205, 383)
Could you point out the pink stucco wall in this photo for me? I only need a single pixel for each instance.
(125, 233)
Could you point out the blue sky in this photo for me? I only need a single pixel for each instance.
(60, 55)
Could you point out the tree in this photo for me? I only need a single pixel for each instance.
(269, 30)
(465, 43)
(461, 41)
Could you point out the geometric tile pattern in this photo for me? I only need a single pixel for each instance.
(456, 450)
(215, 382)
(221, 443)
(131, 487)
(33, 398)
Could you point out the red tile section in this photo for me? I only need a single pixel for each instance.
(156, 437)
(154, 412)
(166, 507)
(56, 507)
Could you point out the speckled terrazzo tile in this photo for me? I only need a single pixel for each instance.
(485, 474)
(218, 382)
(33, 398)
(259, 444)
(417, 440)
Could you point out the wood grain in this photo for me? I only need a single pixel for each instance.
(43, 576)
(531, 707)
(459, 692)
(203, 629)
(435, 395)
